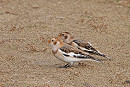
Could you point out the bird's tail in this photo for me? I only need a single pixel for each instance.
(100, 54)
(103, 55)
(95, 59)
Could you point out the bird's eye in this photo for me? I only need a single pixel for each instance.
(62, 34)
(52, 40)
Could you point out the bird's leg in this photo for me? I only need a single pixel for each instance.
(67, 65)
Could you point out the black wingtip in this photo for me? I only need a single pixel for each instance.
(100, 54)
(95, 59)
(107, 57)
(99, 61)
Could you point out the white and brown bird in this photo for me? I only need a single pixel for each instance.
(80, 44)
(68, 53)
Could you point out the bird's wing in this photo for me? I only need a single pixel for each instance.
(69, 51)
(87, 47)
(84, 46)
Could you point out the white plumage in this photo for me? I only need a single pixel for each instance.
(67, 53)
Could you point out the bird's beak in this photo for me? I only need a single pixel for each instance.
(59, 35)
(49, 41)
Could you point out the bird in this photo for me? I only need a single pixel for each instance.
(68, 53)
(80, 44)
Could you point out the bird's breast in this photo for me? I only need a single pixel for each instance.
(59, 55)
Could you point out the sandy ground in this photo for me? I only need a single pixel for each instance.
(25, 56)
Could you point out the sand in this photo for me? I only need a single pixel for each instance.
(25, 56)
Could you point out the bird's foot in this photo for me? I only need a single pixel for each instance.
(66, 66)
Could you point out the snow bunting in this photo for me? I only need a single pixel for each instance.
(86, 47)
(68, 53)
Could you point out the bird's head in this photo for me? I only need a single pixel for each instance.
(55, 43)
(66, 37)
